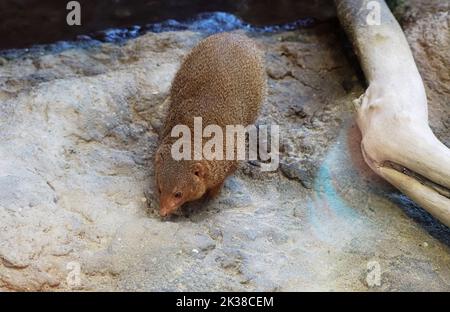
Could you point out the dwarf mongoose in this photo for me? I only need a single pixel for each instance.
(223, 81)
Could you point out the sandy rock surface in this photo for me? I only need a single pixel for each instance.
(78, 129)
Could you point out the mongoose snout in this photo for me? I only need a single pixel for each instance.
(223, 81)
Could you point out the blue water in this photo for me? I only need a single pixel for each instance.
(208, 23)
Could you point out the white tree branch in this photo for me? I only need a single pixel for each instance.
(397, 142)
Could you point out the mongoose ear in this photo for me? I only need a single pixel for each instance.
(199, 170)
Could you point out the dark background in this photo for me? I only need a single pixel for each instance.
(27, 22)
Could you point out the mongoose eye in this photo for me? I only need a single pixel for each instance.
(178, 194)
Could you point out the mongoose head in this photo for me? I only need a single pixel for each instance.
(178, 182)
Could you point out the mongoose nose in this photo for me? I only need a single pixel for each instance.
(163, 211)
(167, 206)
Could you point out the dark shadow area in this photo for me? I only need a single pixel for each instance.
(27, 22)
(435, 228)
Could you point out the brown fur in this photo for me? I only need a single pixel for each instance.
(223, 81)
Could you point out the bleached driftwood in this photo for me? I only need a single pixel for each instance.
(397, 142)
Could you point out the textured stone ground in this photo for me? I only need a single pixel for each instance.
(78, 128)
